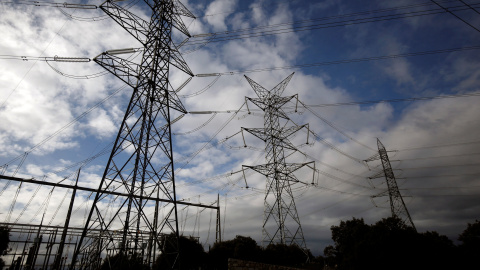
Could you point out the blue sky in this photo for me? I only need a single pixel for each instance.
(439, 193)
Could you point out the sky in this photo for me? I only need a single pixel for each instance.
(63, 113)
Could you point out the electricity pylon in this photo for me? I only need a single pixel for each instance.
(397, 205)
(141, 161)
(281, 224)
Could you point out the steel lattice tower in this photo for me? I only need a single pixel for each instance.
(281, 224)
(397, 205)
(141, 162)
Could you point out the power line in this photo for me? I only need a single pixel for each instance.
(456, 16)
(57, 132)
(46, 58)
(252, 7)
(52, 4)
(439, 145)
(228, 35)
(472, 8)
(31, 67)
(348, 61)
(335, 127)
(422, 158)
(440, 166)
(467, 187)
(443, 176)
(477, 94)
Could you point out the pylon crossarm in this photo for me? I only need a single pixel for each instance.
(123, 69)
(280, 101)
(179, 25)
(259, 90)
(132, 23)
(377, 175)
(180, 9)
(258, 102)
(291, 130)
(177, 60)
(257, 132)
(278, 90)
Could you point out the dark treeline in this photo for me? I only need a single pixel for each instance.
(193, 255)
(4, 241)
(387, 244)
(390, 244)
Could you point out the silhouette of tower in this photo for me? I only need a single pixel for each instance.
(281, 224)
(397, 205)
(141, 161)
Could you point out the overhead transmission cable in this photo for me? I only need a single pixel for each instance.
(435, 157)
(262, 31)
(318, 64)
(202, 90)
(476, 94)
(440, 166)
(82, 163)
(444, 175)
(456, 16)
(466, 4)
(31, 67)
(96, 18)
(333, 147)
(465, 187)
(194, 154)
(68, 125)
(348, 61)
(439, 146)
(51, 4)
(66, 5)
(253, 6)
(336, 169)
(335, 127)
(197, 128)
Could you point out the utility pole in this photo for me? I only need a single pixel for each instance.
(281, 223)
(58, 256)
(141, 161)
(397, 205)
(218, 227)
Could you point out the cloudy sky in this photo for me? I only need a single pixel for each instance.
(64, 113)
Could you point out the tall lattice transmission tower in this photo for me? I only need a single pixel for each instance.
(281, 223)
(141, 162)
(397, 205)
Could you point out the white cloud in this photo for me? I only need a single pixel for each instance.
(45, 101)
(221, 9)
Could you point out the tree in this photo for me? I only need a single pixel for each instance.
(286, 255)
(241, 247)
(192, 255)
(349, 238)
(388, 244)
(4, 241)
(122, 261)
(470, 247)
(471, 235)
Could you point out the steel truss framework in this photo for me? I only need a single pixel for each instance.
(141, 162)
(397, 205)
(38, 246)
(50, 247)
(281, 224)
